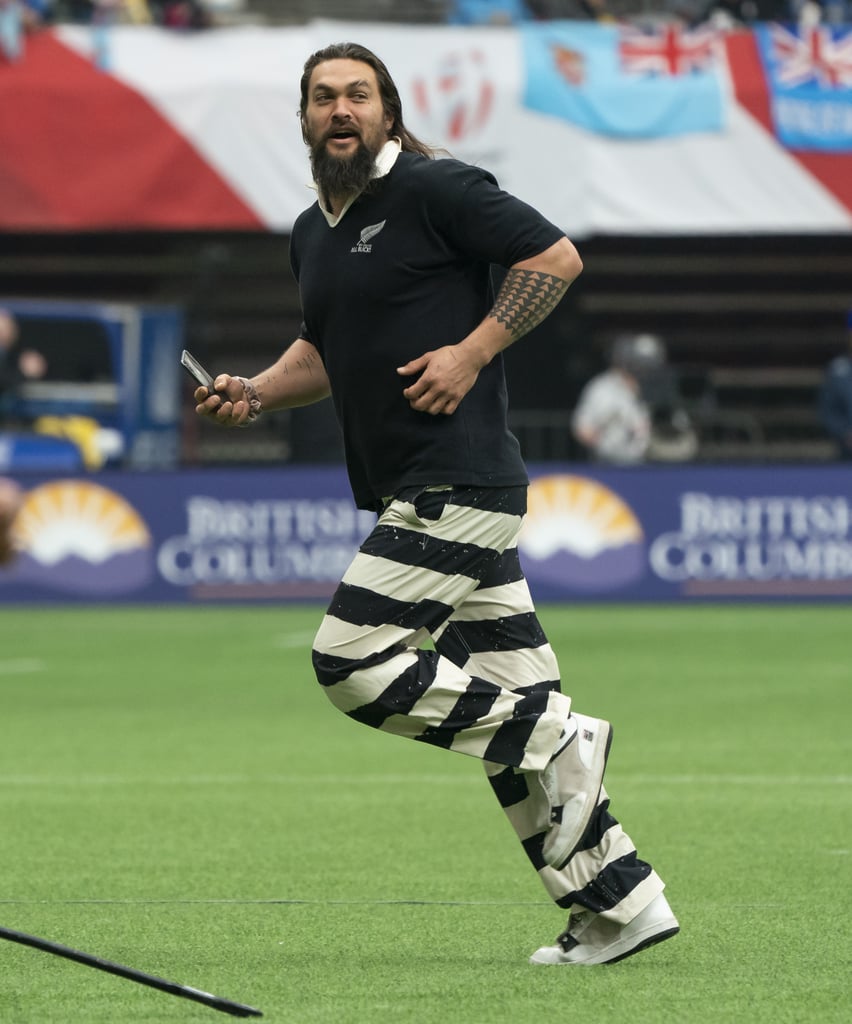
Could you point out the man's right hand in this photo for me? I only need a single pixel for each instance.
(227, 405)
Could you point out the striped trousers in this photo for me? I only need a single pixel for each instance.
(432, 634)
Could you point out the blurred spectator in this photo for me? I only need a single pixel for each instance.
(611, 419)
(37, 13)
(181, 14)
(17, 364)
(487, 12)
(552, 10)
(632, 412)
(177, 14)
(137, 12)
(10, 503)
(835, 400)
(596, 10)
(810, 13)
(726, 14)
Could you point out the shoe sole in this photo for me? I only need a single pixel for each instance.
(643, 943)
(559, 862)
(652, 940)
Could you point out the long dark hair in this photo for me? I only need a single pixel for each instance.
(387, 90)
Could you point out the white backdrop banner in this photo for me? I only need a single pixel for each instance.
(163, 130)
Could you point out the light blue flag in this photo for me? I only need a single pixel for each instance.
(621, 81)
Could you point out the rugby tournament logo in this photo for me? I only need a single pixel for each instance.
(364, 244)
(457, 98)
(80, 537)
(580, 536)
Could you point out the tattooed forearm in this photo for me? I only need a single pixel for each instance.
(304, 364)
(298, 378)
(525, 298)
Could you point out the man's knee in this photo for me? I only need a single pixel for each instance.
(332, 669)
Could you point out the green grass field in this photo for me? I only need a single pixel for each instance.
(176, 794)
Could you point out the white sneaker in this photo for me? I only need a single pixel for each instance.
(572, 782)
(592, 939)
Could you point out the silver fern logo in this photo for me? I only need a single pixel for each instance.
(364, 244)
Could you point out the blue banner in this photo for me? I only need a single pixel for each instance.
(592, 534)
(623, 81)
(809, 71)
(689, 533)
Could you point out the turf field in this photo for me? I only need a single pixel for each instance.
(176, 794)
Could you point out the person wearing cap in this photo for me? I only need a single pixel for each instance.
(632, 412)
(612, 420)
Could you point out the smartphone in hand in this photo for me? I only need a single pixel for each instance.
(200, 374)
(197, 370)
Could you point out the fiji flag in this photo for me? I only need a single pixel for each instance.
(810, 80)
(622, 81)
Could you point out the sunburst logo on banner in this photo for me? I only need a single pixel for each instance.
(580, 535)
(76, 535)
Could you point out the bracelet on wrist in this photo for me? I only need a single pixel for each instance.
(253, 399)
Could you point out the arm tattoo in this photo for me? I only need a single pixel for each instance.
(305, 363)
(525, 298)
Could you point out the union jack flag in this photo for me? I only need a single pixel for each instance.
(667, 50)
(815, 56)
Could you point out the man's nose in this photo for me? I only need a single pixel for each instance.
(341, 110)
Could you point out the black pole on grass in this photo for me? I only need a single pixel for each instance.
(151, 980)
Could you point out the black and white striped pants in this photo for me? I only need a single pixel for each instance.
(442, 564)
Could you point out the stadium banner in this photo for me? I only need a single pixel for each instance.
(810, 78)
(605, 128)
(592, 534)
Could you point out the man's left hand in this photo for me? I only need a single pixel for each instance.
(446, 376)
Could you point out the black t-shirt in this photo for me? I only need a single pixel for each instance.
(406, 271)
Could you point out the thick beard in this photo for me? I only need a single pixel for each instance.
(342, 176)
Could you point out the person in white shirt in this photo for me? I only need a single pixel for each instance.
(612, 420)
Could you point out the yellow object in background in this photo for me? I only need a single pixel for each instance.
(83, 431)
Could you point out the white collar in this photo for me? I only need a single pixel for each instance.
(384, 162)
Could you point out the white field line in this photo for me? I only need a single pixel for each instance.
(338, 781)
(286, 901)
